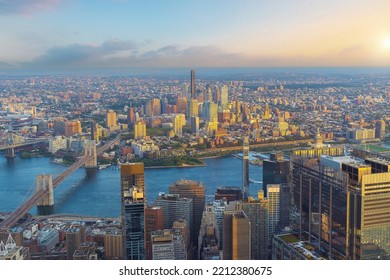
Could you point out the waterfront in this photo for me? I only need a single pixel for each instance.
(97, 192)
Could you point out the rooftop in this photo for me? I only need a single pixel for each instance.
(310, 251)
(379, 160)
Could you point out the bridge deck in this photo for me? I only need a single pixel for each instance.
(23, 209)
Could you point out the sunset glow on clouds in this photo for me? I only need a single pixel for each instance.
(135, 33)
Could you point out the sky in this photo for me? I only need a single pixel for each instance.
(77, 34)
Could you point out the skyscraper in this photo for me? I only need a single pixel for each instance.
(245, 168)
(208, 94)
(257, 213)
(184, 89)
(130, 117)
(192, 108)
(236, 236)
(178, 125)
(275, 170)
(110, 119)
(195, 191)
(94, 131)
(273, 208)
(284, 207)
(343, 206)
(228, 193)
(168, 245)
(380, 128)
(113, 246)
(154, 220)
(133, 204)
(195, 125)
(73, 241)
(139, 130)
(224, 97)
(175, 207)
(193, 88)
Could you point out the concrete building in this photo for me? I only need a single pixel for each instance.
(154, 220)
(72, 128)
(174, 208)
(73, 241)
(113, 246)
(47, 239)
(195, 191)
(181, 227)
(380, 129)
(208, 243)
(57, 143)
(360, 135)
(257, 213)
(228, 193)
(219, 209)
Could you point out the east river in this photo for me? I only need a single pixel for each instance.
(97, 192)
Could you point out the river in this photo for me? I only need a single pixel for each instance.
(97, 192)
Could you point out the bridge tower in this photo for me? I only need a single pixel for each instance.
(46, 204)
(90, 151)
(10, 153)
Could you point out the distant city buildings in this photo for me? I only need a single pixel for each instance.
(328, 206)
(111, 119)
(139, 130)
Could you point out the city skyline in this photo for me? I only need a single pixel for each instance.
(56, 34)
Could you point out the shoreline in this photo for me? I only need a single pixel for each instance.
(175, 166)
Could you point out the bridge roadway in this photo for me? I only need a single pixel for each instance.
(31, 142)
(14, 217)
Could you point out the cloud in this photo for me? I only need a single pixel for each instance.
(118, 53)
(82, 55)
(125, 54)
(4, 65)
(353, 50)
(26, 6)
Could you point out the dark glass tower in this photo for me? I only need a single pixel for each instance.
(193, 88)
(343, 206)
(275, 171)
(133, 205)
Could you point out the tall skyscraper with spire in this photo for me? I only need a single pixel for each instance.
(245, 168)
(193, 89)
